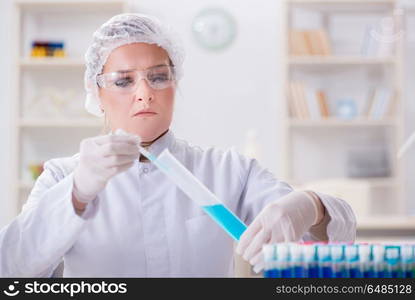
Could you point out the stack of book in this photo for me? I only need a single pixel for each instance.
(309, 42)
(307, 103)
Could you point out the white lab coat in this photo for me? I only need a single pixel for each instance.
(141, 224)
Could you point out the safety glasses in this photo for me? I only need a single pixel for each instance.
(126, 82)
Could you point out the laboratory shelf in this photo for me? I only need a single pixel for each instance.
(339, 60)
(79, 123)
(355, 2)
(75, 5)
(345, 6)
(335, 122)
(374, 182)
(387, 223)
(51, 62)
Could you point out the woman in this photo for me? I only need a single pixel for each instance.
(107, 213)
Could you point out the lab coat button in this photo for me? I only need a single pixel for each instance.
(145, 170)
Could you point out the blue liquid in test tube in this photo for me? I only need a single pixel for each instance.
(337, 257)
(379, 261)
(352, 258)
(310, 259)
(324, 259)
(392, 256)
(408, 261)
(270, 269)
(366, 261)
(226, 219)
(283, 260)
(297, 265)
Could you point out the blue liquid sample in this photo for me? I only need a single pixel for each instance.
(298, 272)
(395, 274)
(380, 274)
(268, 274)
(369, 274)
(273, 273)
(342, 273)
(325, 272)
(410, 274)
(286, 273)
(226, 219)
(312, 272)
(355, 273)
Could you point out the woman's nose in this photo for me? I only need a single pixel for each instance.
(144, 92)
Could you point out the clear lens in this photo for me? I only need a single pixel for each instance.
(127, 81)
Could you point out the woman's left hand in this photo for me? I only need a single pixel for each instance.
(283, 220)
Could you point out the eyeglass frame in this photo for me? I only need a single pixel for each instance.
(143, 75)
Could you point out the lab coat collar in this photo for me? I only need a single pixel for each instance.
(166, 141)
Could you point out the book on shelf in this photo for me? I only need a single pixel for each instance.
(380, 103)
(323, 104)
(309, 42)
(306, 103)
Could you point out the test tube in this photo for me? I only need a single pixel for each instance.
(352, 258)
(392, 256)
(324, 261)
(310, 260)
(283, 260)
(198, 192)
(366, 261)
(407, 259)
(270, 269)
(379, 260)
(338, 263)
(297, 265)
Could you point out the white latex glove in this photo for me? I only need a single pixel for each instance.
(283, 220)
(101, 158)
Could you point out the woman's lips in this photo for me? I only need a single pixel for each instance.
(145, 113)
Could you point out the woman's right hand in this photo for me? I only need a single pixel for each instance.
(100, 159)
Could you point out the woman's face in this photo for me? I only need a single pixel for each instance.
(123, 110)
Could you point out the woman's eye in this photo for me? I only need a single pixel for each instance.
(124, 82)
(161, 77)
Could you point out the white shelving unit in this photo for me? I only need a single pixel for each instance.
(39, 133)
(321, 155)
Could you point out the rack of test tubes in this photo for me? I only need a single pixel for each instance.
(335, 260)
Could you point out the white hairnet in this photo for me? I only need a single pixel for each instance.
(121, 30)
